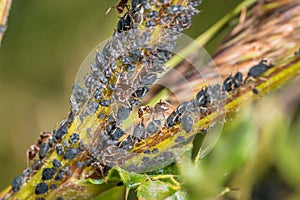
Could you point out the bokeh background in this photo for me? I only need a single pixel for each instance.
(44, 45)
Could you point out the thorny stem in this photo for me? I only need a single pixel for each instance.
(287, 66)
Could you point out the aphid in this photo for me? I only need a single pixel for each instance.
(59, 198)
(174, 9)
(150, 23)
(74, 138)
(101, 115)
(48, 173)
(59, 176)
(139, 131)
(17, 183)
(52, 142)
(147, 151)
(117, 133)
(98, 95)
(237, 80)
(26, 172)
(127, 143)
(43, 150)
(71, 153)
(59, 150)
(227, 84)
(258, 69)
(152, 127)
(125, 23)
(136, 4)
(41, 188)
(105, 103)
(40, 198)
(172, 119)
(179, 139)
(53, 187)
(37, 165)
(141, 92)
(200, 98)
(155, 150)
(61, 131)
(79, 164)
(181, 108)
(187, 123)
(123, 113)
(255, 91)
(153, 14)
(87, 163)
(56, 163)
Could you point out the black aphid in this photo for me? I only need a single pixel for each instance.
(139, 131)
(123, 113)
(117, 133)
(181, 107)
(105, 103)
(43, 150)
(52, 141)
(17, 183)
(53, 187)
(259, 69)
(227, 84)
(179, 139)
(59, 176)
(172, 119)
(155, 150)
(48, 173)
(74, 138)
(59, 198)
(125, 23)
(98, 95)
(136, 4)
(237, 80)
(187, 123)
(59, 150)
(37, 165)
(61, 131)
(71, 153)
(56, 163)
(153, 14)
(87, 163)
(141, 92)
(147, 151)
(255, 91)
(152, 127)
(41, 188)
(201, 98)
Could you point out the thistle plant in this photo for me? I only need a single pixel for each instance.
(119, 131)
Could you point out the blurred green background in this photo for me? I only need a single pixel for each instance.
(46, 42)
(44, 45)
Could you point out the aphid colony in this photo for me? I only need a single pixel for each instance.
(120, 77)
(49, 142)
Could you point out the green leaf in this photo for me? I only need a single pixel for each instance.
(156, 190)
